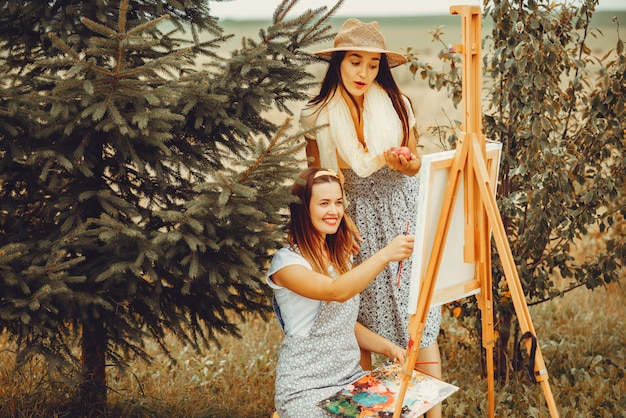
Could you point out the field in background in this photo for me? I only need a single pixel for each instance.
(432, 108)
(582, 335)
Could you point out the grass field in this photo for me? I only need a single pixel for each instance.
(582, 338)
(582, 335)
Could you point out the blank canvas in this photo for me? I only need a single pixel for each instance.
(456, 279)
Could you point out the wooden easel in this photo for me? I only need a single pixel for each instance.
(482, 218)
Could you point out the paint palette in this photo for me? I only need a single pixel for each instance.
(374, 395)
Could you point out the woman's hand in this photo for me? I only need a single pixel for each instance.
(396, 353)
(400, 248)
(403, 160)
(370, 341)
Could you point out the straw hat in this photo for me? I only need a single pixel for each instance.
(355, 35)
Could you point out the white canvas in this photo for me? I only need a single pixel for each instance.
(456, 279)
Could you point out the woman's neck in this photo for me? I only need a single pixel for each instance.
(350, 100)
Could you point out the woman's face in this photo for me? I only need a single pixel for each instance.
(326, 207)
(358, 71)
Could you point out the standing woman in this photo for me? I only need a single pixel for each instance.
(316, 298)
(367, 116)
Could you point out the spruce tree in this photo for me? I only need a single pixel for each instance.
(142, 185)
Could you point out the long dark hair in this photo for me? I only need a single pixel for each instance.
(332, 81)
(304, 236)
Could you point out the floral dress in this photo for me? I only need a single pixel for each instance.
(381, 205)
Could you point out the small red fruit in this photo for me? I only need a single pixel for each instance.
(405, 151)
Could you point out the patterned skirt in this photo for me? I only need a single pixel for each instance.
(381, 205)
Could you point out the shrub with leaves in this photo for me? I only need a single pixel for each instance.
(559, 112)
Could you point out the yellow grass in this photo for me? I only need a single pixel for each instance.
(583, 330)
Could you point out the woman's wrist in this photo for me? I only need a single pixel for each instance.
(412, 168)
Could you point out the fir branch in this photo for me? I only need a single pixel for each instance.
(69, 51)
(121, 22)
(275, 140)
(153, 23)
(101, 29)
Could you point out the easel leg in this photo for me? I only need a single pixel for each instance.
(512, 278)
(417, 321)
(485, 303)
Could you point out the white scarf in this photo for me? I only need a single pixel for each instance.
(382, 130)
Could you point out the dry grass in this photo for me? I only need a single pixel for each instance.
(235, 380)
(236, 377)
(581, 337)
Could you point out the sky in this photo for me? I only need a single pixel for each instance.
(263, 9)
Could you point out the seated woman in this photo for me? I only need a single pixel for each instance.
(316, 298)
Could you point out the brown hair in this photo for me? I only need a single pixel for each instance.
(332, 81)
(303, 236)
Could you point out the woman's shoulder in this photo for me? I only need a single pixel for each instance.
(287, 256)
(287, 251)
(407, 102)
(409, 108)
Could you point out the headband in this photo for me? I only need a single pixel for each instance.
(326, 172)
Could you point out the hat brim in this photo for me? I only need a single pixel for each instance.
(393, 58)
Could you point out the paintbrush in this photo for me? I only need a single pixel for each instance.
(406, 232)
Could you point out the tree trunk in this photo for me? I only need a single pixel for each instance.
(504, 331)
(93, 394)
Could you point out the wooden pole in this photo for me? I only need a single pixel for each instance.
(477, 234)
